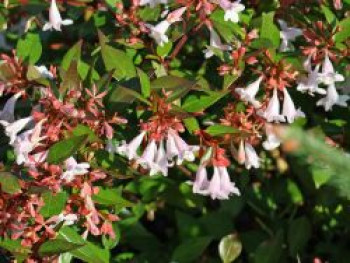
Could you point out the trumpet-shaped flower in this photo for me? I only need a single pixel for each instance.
(287, 35)
(251, 157)
(272, 112)
(147, 159)
(12, 129)
(44, 72)
(289, 110)
(153, 3)
(8, 112)
(248, 94)
(73, 169)
(177, 147)
(55, 19)
(329, 76)
(220, 185)
(310, 84)
(215, 44)
(201, 183)
(161, 161)
(231, 10)
(130, 149)
(272, 141)
(158, 32)
(333, 98)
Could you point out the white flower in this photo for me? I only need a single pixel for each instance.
(177, 147)
(329, 76)
(215, 44)
(44, 72)
(272, 112)
(158, 32)
(74, 169)
(153, 3)
(55, 19)
(67, 219)
(310, 84)
(220, 185)
(231, 10)
(272, 141)
(251, 157)
(289, 110)
(287, 35)
(130, 150)
(333, 98)
(248, 94)
(147, 159)
(12, 129)
(201, 183)
(8, 112)
(161, 162)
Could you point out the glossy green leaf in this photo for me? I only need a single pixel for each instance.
(220, 130)
(9, 183)
(269, 30)
(54, 203)
(230, 247)
(29, 48)
(56, 247)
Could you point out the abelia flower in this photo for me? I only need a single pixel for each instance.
(287, 35)
(12, 129)
(289, 110)
(251, 157)
(248, 94)
(220, 185)
(201, 183)
(272, 112)
(161, 161)
(44, 72)
(152, 3)
(158, 32)
(272, 141)
(130, 149)
(177, 147)
(215, 44)
(67, 219)
(333, 98)
(8, 112)
(310, 84)
(231, 10)
(55, 19)
(73, 169)
(329, 76)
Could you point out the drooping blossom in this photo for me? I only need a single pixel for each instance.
(220, 185)
(66, 219)
(177, 147)
(147, 159)
(55, 19)
(329, 76)
(8, 112)
(333, 98)
(215, 44)
(272, 141)
(201, 182)
(231, 10)
(248, 94)
(338, 4)
(44, 72)
(12, 129)
(158, 32)
(152, 3)
(287, 35)
(161, 161)
(73, 169)
(130, 149)
(272, 112)
(310, 84)
(251, 157)
(289, 110)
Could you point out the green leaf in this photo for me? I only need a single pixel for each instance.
(198, 103)
(9, 183)
(62, 150)
(330, 16)
(89, 252)
(230, 247)
(269, 251)
(191, 124)
(29, 48)
(74, 53)
(111, 197)
(344, 32)
(81, 130)
(115, 59)
(16, 248)
(56, 247)
(294, 192)
(145, 83)
(299, 233)
(54, 203)
(70, 79)
(269, 30)
(122, 94)
(219, 130)
(164, 50)
(191, 249)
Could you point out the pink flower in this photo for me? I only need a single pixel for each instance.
(231, 10)
(130, 150)
(12, 129)
(55, 19)
(220, 186)
(333, 98)
(251, 157)
(272, 141)
(158, 32)
(287, 35)
(201, 182)
(161, 161)
(147, 159)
